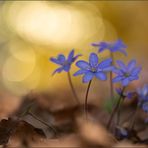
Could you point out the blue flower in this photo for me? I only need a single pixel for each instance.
(145, 106)
(128, 94)
(143, 98)
(64, 63)
(118, 91)
(126, 74)
(93, 68)
(112, 46)
(122, 133)
(143, 93)
(131, 94)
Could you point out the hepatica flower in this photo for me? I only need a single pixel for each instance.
(143, 98)
(128, 94)
(64, 63)
(111, 46)
(93, 68)
(126, 74)
(143, 93)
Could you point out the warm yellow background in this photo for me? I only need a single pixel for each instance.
(31, 32)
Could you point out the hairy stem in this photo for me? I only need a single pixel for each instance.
(86, 98)
(119, 112)
(111, 85)
(115, 109)
(111, 77)
(72, 88)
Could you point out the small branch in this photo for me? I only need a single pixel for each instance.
(27, 109)
(86, 98)
(50, 126)
(72, 88)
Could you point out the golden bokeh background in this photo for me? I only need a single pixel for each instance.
(33, 31)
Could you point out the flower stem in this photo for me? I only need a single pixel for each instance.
(134, 119)
(119, 111)
(111, 77)
(72, 88)
(111, 85)
(86, 98)
(115, 109)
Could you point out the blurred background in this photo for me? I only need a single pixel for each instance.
(33, 31)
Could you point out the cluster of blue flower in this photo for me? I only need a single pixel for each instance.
(124, 74)
(143, 98)
(142, 95)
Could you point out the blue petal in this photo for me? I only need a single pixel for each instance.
(70, 56)
(131, 65)
(95, 44)
(93, 60)
(122, 65)
(61, 58)
(143, 93)
(145, 90)
(80, 72)
(100, 75)
(54, 60)
(107, 69)
(103, 46)
(118, 90)
(131, 78)
(145, 107)
(130, 95)
(101, 49)
(87, 77)
(66, 67)
(58, 70)
(117, 79)
(117, 71)
(118, 46)
(136, 71)
(83, 64)
(75, 58)
(125, 82)
(113, 47)
(123, 51)
(120, 43)
(105, 63)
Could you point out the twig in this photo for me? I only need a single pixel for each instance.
(50, 126)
